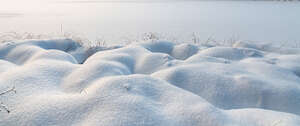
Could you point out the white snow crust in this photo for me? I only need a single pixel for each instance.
(155, 83)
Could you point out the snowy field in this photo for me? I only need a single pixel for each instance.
(116, 22)
(156, 83)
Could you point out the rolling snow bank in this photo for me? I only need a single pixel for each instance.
(60, 83)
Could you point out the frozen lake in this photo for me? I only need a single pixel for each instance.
(255, 21)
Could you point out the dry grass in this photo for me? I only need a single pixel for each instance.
(193, 38)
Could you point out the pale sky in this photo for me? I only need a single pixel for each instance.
(19, 4)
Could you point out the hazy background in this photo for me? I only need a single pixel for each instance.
(256, 21)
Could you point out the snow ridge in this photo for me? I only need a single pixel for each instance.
(159, 83)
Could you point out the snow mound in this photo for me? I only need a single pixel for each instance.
(60, 83)
(267, 47)
(231, 53)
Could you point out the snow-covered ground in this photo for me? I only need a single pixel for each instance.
(60, 83)
(117, 21)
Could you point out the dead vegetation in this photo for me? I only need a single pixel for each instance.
(2, 105)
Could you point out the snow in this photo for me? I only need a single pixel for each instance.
(59, 82)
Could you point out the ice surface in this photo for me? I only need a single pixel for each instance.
(58, 82)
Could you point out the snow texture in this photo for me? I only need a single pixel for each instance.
(159, 83)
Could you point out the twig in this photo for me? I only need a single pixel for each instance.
(4, 107)
(13, 89)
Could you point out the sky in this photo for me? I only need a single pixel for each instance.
(19, 4)
(15, 5)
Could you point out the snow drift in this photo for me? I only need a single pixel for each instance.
(58, 82)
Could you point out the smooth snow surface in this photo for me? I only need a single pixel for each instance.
(60, 83)
(122, 21)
